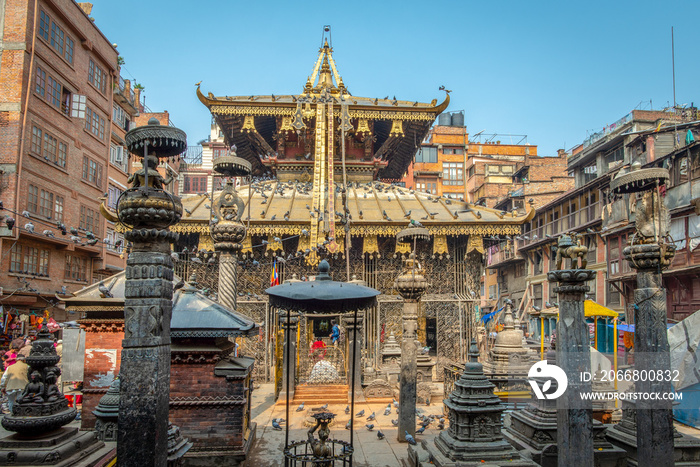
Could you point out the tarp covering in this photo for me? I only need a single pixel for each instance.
(592, 309)
(683, 339)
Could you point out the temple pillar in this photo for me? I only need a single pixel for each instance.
(411, 285)
(142, 434)
(574, 414)
(354, 350)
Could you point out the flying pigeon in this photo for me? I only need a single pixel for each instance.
(301, 407)
(409, 439)
(360, 414)
(369, 426)
(380, 435)
(371, 417)
(276, 426)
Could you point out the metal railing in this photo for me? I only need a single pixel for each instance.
(501, 255)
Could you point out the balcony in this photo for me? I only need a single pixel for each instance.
(503, 256)
(124, 95)
(575, 220)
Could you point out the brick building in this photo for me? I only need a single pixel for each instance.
(195, 175)
(64, 111)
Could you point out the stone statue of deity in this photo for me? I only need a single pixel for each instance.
(155, 179)
(34, 390)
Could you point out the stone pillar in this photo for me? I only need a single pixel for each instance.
(142, 435)
(227, 232)
(654, 417)
(351, 327)
(290, 338)
(411, 285)
(574, 414)
(649, 253)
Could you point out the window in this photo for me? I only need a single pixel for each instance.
(44, 25)
(58, 209)
(46, 206)
(70, 45)
(33, 199)
(219, 152)
(97, 76)
(519, 269)
(614, 157)
(537, 264)
(57, 38)
(115, 241)
(62, 154)
(16, 258)
(447, 151)
(36, 140)
(44, 262)
(590, 295)
(31, 259)
(89, 220)
(120, 117)
(94, 123)
(117, 156)
(492, 292)
(427, 187)
(194, 183)
(112, 196)
(54, 91)
(50, 148)
(76, 268)
(613, 298)
(471, 171)
(589, 173)
(40, 82)
(92, 171)
(426, 154)
(452, 173)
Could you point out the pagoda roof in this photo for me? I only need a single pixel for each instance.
(193, 314)
(324, 85)
(376, 208)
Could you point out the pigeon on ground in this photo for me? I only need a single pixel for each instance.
(347, 425)
(425, 422)
(301, 407)
(387, 411)
(276, 426)
(441, 426)
(278, 420)
(396, 404)
(360, 414)
(380, 435)
(324, 406)
(371, 417)
(370, 426)
(347, 409)
(395, 422)
(420, 430)
(409, 439)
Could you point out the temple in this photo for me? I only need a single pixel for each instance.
(323, 162)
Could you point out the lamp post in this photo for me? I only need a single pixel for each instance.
(649, 253)
(149, 210)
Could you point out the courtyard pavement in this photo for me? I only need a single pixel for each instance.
(369, 451)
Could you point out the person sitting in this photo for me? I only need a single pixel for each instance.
(318, 344)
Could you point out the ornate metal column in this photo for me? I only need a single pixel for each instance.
(142, 438)
(649, 253)
(353, 331)
(411, 285)
(574, 414)
(288, 321)
(227, 230)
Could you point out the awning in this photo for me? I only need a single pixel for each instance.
(593, 309)
(630, 327)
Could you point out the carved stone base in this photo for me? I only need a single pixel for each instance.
(36, 424)
(63, 447)
(495, 453)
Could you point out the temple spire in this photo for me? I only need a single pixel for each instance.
(325, 73)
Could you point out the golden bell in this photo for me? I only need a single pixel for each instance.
(363, 127)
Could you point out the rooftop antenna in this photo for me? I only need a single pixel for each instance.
(675, 108)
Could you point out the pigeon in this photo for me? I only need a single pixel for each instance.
(425, 422)
(347, 425)
(92, 241)
(387, 411)
(396, 404)
(360, 414)
(73, 231)
(370, 426)
(179, 285)
(48, 233)
(104, 291)
(29, 227)
(301, 407)
(380, 435)
(279, 420)
(75, 239)
(324, 406)
(420, 430)
(371, 417)
(64, 290)
(276, 426)
(10, 222)
(26, 214)
(395, 422)
(347, 409)
(441, 426)
(409, 439)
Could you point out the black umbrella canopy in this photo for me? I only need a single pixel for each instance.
(322, 295)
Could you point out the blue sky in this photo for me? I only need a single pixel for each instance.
(554, 71)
